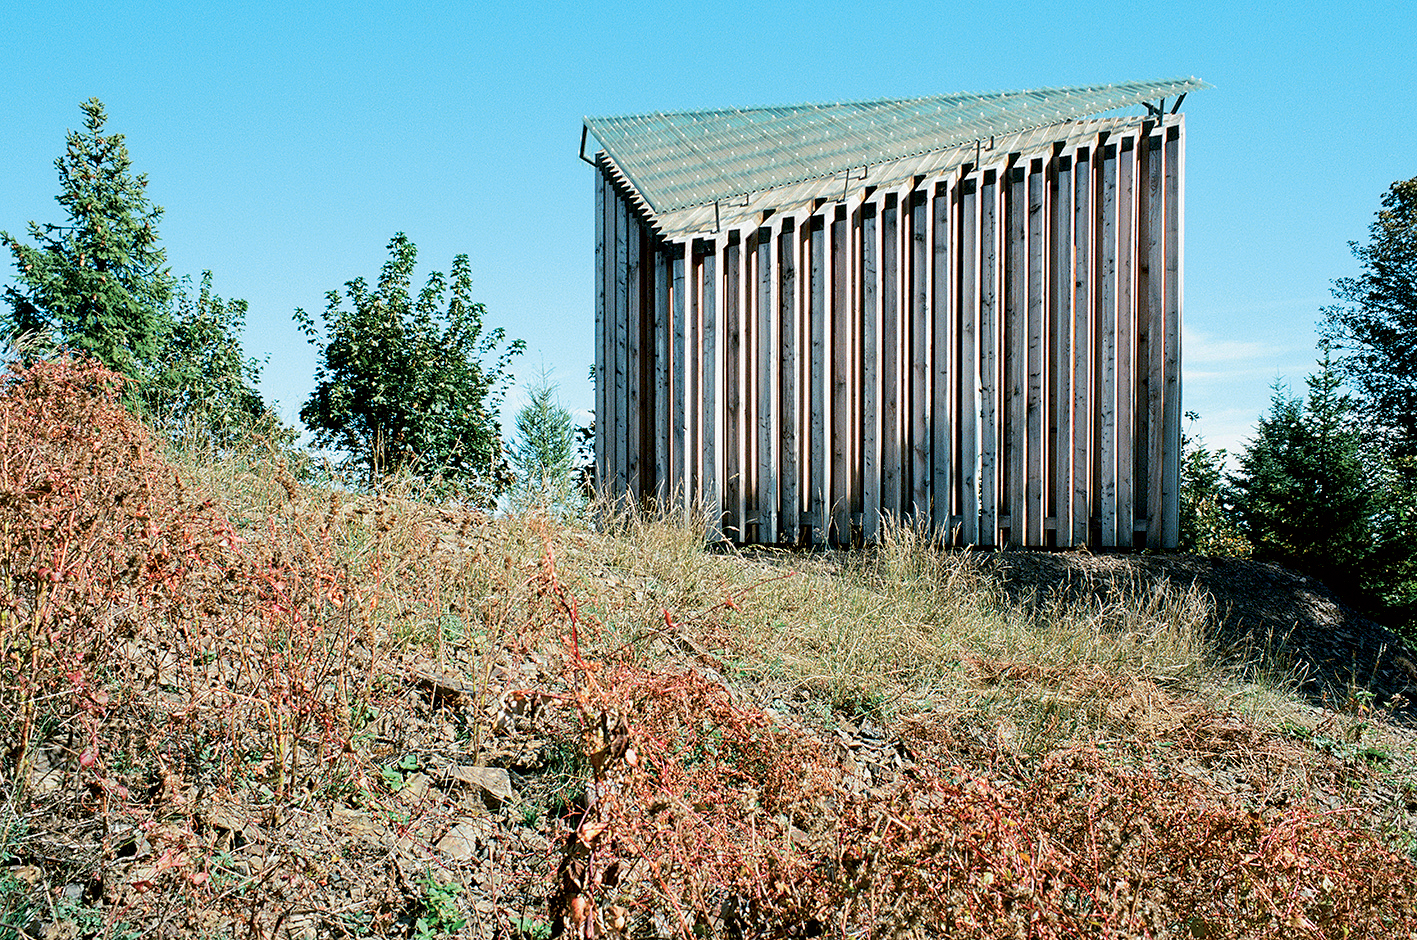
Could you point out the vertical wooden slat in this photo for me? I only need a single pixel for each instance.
(1081, 364)
(819, 272)
(890, 357)
(712, 380)
(694, 392)
(678, 410)
(620, 436)
(1171, 368)
(634, 372)
(663, 331)
(839, 289)
(1037, 469)
(1016, 347)
(989, 384)
(769, 314)
(870, 371)
(1126, 339)
(943, 319)
(1156, 335)
(601, 330)
(1107, 339)
(920, 355)
(1061, 352)
(790, 374)
(732, 351)
(969, 360)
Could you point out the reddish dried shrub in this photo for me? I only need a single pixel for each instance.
(148, 649)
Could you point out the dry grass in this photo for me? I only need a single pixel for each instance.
(235, 703)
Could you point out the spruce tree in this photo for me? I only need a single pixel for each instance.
(99, 282)
(1305, 495)
(1374, 323)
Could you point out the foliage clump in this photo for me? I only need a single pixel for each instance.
(412, 384)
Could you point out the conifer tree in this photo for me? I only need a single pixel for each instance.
(1305, 494)
(98, 283)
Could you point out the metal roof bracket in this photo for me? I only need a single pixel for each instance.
(585, 130)
(846, 180)
(1177, 106)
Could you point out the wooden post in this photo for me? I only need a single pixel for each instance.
(694, 391)
(790, 372)
(920, 336)
(890, 356)
(1171, 375)
(1037, 340)
(1156, 336)
(969, 360)
(870, 371)
(840, 359)
(1108, 330)
(769, 315)
(634, 372)
(1126, 340)
(989, 384)
(1060, 358)
(1081, 364)
(819, 272)
(1016, 347)
(620, 437)
(943, 323)
(601, 329)
(733, 524)
(712, 379)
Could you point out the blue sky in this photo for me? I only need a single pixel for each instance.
(289, 142)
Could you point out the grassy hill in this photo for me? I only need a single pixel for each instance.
(238, 705)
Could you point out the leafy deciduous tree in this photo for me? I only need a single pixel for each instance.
(199, 386)
(1206, 526)
(412, 384)
(99, 283)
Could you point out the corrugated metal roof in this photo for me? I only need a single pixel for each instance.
(691, 158)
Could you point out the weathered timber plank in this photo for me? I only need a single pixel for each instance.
(620, 437)
(769, 313)
(662, 392)
(1061, 350)
(870, 371)
(1107, 336)
(790, 412)
(989, 380)
(1126, 340)
(694, 392)
(920, 355)
(1081, 364)
(969, 360)
(943, 319)
(1036, 475)
(1016, 348)
(840, 363)
(818, 297)
(601, 272)
(1171, 367)
(712, 379)
(890, 357)
(732, 390)
(682, 255)
(634, 371)
(1156, 336)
